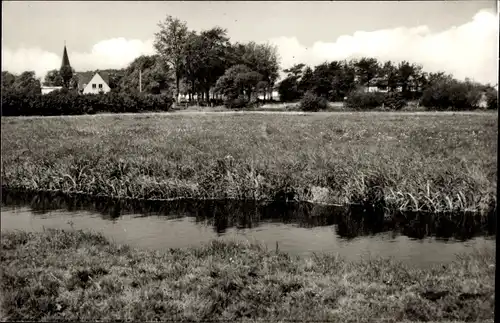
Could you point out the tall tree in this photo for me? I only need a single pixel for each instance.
(366, 70)
(408, 75)
(170, 44)
(238, 80)
(306, 82)
(53, 78)
(263, 58)
(289, 88)
(389, 73)
(155, 75)
(326, 78)
(192, 62)
(206, 58)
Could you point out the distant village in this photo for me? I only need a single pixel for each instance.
(88, 82)
(98, 82)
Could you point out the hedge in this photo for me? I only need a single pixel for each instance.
(62, 102)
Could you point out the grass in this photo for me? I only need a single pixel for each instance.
(81, 276)
(433, 162)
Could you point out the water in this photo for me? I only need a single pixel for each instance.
(299, 229)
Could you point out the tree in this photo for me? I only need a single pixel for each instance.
(53, 78)
(206, 59)
(306, 82)
(27, 83)
(289, 88)
(156, 75)
(444, 92)
(170, 44)
(389, 73)
(8, 80)
(366, 70)
(263, 58)
(408, 76)
(238, 80)
(295, 71)
(327, 79)
(491, 95)
(345, 80)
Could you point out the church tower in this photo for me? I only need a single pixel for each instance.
(66, 70)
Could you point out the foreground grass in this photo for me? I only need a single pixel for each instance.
(77, 275)
(431, 162)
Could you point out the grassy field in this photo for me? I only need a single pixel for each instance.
(80, 276)
(428, 161)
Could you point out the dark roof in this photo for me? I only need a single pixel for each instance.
(85, 77)
(105, 76)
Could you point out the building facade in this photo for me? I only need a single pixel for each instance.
(93, 82)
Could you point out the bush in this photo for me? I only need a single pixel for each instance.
(312, 102)
(361, 100)
(64, 102)
(450, 94)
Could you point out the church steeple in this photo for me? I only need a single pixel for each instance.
(66, 70)
(65, 60)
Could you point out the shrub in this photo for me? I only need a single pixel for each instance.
(64, 102)
(361, 100)
(450, 94)
(312, 102)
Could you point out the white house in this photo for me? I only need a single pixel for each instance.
(93, 82)
(48, 89)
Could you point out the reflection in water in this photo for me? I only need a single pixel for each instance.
(300, 228)
(350, 222)
(161, 232)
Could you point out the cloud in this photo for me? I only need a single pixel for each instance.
(469, 50)
(110, 53)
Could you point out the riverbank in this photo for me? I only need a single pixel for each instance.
(432, 162)
(80, 276)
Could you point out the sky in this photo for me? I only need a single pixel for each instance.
(457, 37)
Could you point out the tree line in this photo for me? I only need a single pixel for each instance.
(395, 84)
(206, 66)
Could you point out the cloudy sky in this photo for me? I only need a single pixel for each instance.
(458, 37)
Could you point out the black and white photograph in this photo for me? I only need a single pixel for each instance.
(249, 161)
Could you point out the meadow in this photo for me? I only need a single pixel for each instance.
(431, 162)
(99, 280)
